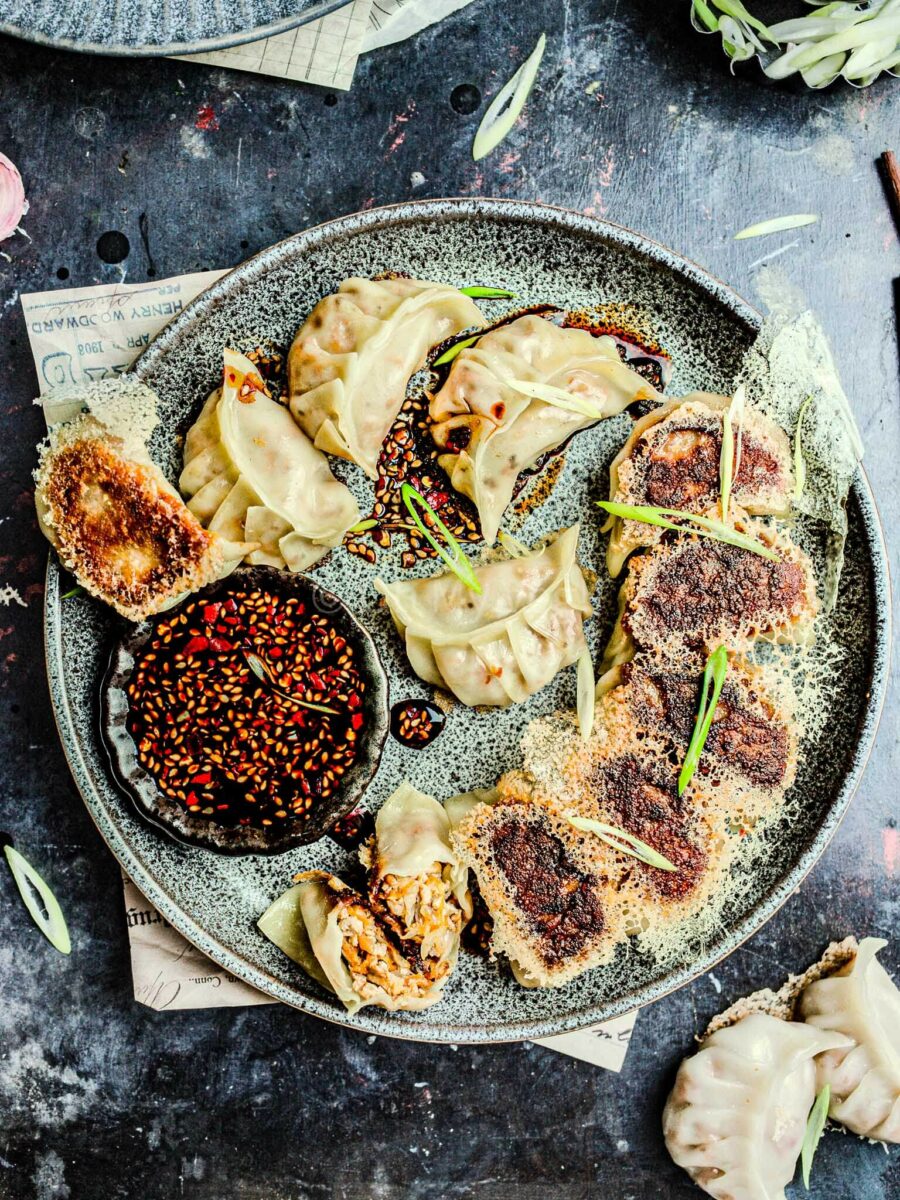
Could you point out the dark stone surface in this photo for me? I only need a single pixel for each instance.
(100, 1098)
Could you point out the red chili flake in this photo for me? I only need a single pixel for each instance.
(230, 605)
(353, 700)
(210, 613)
(192, 798)
(196, 644)
(274, 652)
(206, 118)
(436, 499)
(203, 777)
(356, 721)
(317, 681)
(220, 645)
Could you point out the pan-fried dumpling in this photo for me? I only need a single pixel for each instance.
(737, 1114)
(491, 431)
(861, 1001)
(500, 646)
(417, 884)
(353, 357)
(332, 932)
(671, 460)
(254, 476)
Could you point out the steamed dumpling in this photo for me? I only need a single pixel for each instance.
(737, 1114)
(253, 475)
(861, 1001)
(500, 646)
(417, 884)
(331, 932)
(353, 357)
(491, 431)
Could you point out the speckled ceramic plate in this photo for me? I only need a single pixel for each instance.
(542, 254)
(153, 27)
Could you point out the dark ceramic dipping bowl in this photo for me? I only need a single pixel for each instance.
(140, 785)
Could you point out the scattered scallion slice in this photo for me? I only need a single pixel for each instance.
(622, 841)
(585, 694)
(799, 460)
(556, 396)
(713, 678)
(488, 293)
(77, 590)
(506, 107)
(815, 1126)
(513, 547)
(705, 526)
(730, 455)
(449, 355)
(454, 558)
(51, 922)
(362, 526)
(776, 225)
(263, 672)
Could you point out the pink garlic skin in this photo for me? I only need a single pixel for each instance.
(13, 204)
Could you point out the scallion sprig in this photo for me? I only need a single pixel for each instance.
(776, 225)
(49, 920)
(707, 527)
(713, 679)
(621, 840)
(77, 590)
(362, 526)
(799, 460)
(263, 672)
(506, 107)
(487, 293)
(815, 1126)
(730, 456)
(454, 557)
(585, 695)
(451, 353)
(550, 394)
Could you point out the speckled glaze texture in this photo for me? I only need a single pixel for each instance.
(542, 254)
(155, 26)
(141, 786)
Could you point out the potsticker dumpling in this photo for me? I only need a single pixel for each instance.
(352, 358)
(737, 1114)
(671, 461)
(491, 431)
(500, 646)
(331, 931)
(861, 1001)
(417, 884)
(252, 475)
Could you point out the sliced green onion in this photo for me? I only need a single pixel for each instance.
(815, 1126)
(513, 547)
(622, 841)
(488, 293)
(75, 591)
(799, 460)
(729, 457)
(456, 561)
(264, 672)
(585, 694)
(713, 677)
(703, 18)
(362, 526)
(706, 526)
(51, 923)
(556, 396)
(506, 107)
(776, 225)
(449, 355)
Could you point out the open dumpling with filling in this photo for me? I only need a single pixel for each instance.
(861, 1001)
(353, 357)
(737, 1114)
(491, 430)
(252, 475)
(672, 461)
(500, 646)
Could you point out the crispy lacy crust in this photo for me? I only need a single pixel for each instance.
(552, 906)
(783, 1003)
(118, 526)
(752, 741)
(692, 594)
(672, 460)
